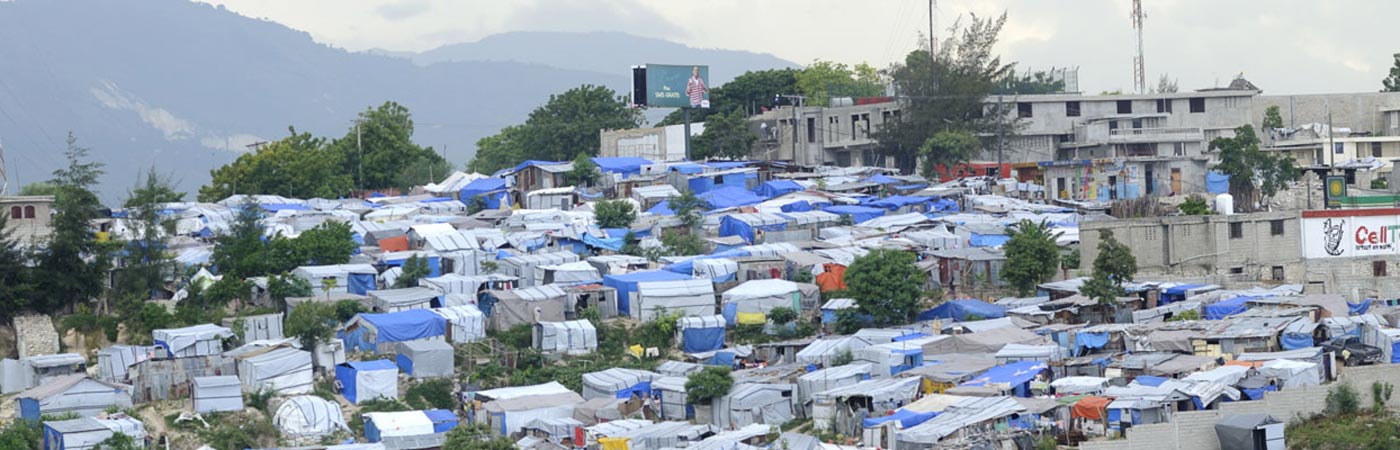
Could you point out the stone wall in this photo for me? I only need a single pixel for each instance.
(1195, 430)
(35, 335)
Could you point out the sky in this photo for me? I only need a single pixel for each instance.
(1282, 46)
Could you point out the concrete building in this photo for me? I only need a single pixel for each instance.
(1352, 251)
(840, 136)
(658, 144)
(29, 220)
(1236, 248)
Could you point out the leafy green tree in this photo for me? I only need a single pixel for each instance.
(414, 269)
(945, 93)
(299, 165)
(39, 188)
(567, 125)
(1195, 205)
(682, 244)
(614, 213)
(1032, 256)
(782, 315)
(1030, 83)
(153, 189)
(331, 242)
(708, 384)
(748, 92)
(1273, 119)
(1113, 266)
(148, 260)
(118, 441)
(348, 309)
(1391, 83)
(380, 153)
(284, 285)
(689, 209)
(20, 435)
(15, 287)
(476, 436)
(947, 147)
(1255, 175)
(240, 252)
(311, 323)
(822, 80)
(584, 172)
(726, 136)
(886, 285)
(1166, 84)
(65, 276)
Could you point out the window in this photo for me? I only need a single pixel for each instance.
(1236, 230)
(1378, 268)
(1125, 107)
(867, 157)
(1023, 110)
(29, 212)
(1179, 148)
(1375, 149)
(1236, 271)
(843, 159)
(811, 129)
(1277, 273)
(1164, 105)
(1072, 109)
(1137, 123)
(1276, 227)
(1112, 125)
(1149, 234)
(1198, 105)
(16, 212)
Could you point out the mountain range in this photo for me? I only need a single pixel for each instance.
(184, 87)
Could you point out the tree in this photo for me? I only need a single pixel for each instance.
(299, 165)
(1113, 266)
(282, 286)
(688, 207)
(380, 153)
(148, 260)
(947, 147)
(311, 323)
(822, 80)
(1255, 175)
(584, 171)
(614, 213)
(20, 435)
(414, 269)
(886, 285)
(240, 251)
(1194, 205)
(566, 126)
(708, 384)
(476, 436)
(1166, 85)
(749, 92)
(65, 276)
(1273, 119)
(945, 93)
(118, 441)
(331, 242)
(39, 188)
(1032, 256)
(15, 288)
(726, 136)
(1391, 83)
(1031, 83)
(153, 189)
(682, 244)
(782, 315)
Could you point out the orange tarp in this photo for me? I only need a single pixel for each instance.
(832, 278)
(1090, 407)
(394, 244)
(1254, 364)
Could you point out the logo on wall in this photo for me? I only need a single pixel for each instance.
(1336, 188)
(1332, 231)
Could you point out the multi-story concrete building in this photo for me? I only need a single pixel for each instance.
(658, 144)
(29, 221)
(841, 136)
(1222, 249)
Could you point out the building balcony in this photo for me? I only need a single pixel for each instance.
(1155, 135)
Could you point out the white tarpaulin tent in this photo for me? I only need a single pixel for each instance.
(813, 382)
(308, 416)
(217, 394)
(338, 272)
(617, 382)
(526, 267)
(507, 416)
(284, 370)
(198, 340)
(85, 433)
(401, 423)
(525, 306)
(885, 395)
(395, 300)
(425, 359)
(1291, 373)
(574, 337)
(450, 284)
(750, 302)
(75, 393)
(568, 273)
(751, 403)
(686, 297)
(466, 323)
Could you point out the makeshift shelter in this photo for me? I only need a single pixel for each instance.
(114, 362)
(308, 416)
(832, 377)
(968, 413)
(754, 403)
(649, 196)
(701, 333)
(894, 357)
(847, 406)
(356, 279)
(377, 331)
(257, 328)
(508, 415)
(76, 393)
(577, 272)
(672, 393)
(395, 300)
(362, 381)
(1290, 373)
(410, 429)
(684, 297)
(822, 351)
(750, 302)
(857, 214)
(85, 432)
(575, 337)
(1079, 385)
(524, 306)
(425, 359)
(617, 383)
(465, 323)
(834, 306)
(774, 188)
(1250, 432)
(39, 369)
(492, 191)
(217, 394)
(750, 226)
(963, 310)
(1013, 379)
(282, 370)
(525, 267)
(626, 285)
(726, 197)
(192, 341)
(986, 341)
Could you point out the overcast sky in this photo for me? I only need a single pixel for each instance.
(1283, 46)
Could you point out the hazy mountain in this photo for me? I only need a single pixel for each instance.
(185, 86)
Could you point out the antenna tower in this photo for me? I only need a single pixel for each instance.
(1139, 73)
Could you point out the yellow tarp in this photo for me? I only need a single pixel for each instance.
(635, 350)
(750, 318)
(613, 443)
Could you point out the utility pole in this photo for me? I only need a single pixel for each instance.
(687, 132)
(4, 175)
(932, 38)
(1331, 141)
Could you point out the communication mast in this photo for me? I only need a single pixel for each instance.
(4, 176)
(1139, 73)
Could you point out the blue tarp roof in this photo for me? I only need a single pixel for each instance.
(1226, 308)
(729, 197)
(626, 165)
(481, 186)
(1217, 183)
(724, 165)
(662, 209)
(406, 325)
(378, 364)
(1013, 374)
(1148, 380)
(626, 284)
(536, 162)
(905, 417)
(961, 309)
(987, 240)
(777, 187)
(1181, 290)
(898, 201)
(688, 168)
(858, 213)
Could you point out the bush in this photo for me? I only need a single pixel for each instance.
(710, 383)
(1380, 394)
(1342, 400)
(476, 436)
(431, 394)
(1195, 205)
(518, 337)
(614, 213)
(258, 400)
(659, 333)
(782, 315)
(347, 309)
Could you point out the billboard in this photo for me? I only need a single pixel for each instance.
(1351, 233)
(671, 86)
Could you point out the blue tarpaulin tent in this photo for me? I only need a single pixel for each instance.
(729, 197)
(777, 187)
(802, 205)
(434, 262)
(662, 208)
(443, 421)
(702, 334)
(1356, 309)
(393, 327)
(726, 165)
(961, 309)
(1017, 375)
(894, 202)
(626, 284)
(706, 183)
(881, 179)
(1217, 183)
(625, 165)
(688, 168)
(1089, 340)
(988, 240)
(858, 213)
(905, 417)
(381, 375)
(482, 186)
(1226, 308)
(738, 226)
(1178, 293)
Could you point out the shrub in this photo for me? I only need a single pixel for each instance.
(782, 315)
(1342, 400)
(1195, 205)
(708, 384)
(431, 394)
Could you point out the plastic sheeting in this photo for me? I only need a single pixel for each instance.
(858, 213)
(750, 302)
(425, 359)
(701, 334)
(467, 323)
(392, 327)
(576, 337)
(1217, 183)
(1226, 308)
(626, 284)
(198, 340)
(217, 394)
(685, 297)
(905, 417)
(730, 197)
(618, 383)
(1012, 377)
(285, 371)
(962, 309)
(362, 381)
(308, 416)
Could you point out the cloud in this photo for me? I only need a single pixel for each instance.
(112, 96)
(593, 15)
(403, 9)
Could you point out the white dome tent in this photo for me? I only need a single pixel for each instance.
(308, 416)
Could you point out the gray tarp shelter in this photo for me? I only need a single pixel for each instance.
(86, 432)
(617, 382)
(751, 403)
(1250, 432)
(574, 337)
(217, 394)
(197, 340)
(74, 393)
(113, 363)
(525, 266)
(524, 306)
(394, 300)
(425, 359)
(257, 328)
(685, 297)
(284, 370)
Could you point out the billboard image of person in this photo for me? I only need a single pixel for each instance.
(695, 88)
(673, 86)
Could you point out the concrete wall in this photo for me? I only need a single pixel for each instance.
(1353, 277)
(1360, 111)
(1201, 246)
(1195, 430)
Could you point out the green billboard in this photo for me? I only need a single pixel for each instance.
(671, 86)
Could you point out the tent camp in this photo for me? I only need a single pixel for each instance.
(684, 297)
(617, 383)
(508, 415)
(828, 378)
(750, 226)
(465, 323)
(575, 337)
(749, 303)
(217, 394)
(1013, 379)
(505, 309)
(308, 416)
(76, 393)
(410, 429)
(837, 405)
(577, 272)
(671, 390)
(626, 285)
(701, 333)
(362, 381)
(377, 331)
(85, 432)
(395, 300)
(425, 359)
(283, 370)
(343, 278)
(525, 267)
(894, 357)
(197, 340)
(450, 284)
(751, 403)
(986, 341)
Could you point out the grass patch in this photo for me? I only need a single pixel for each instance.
(1349, 431)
